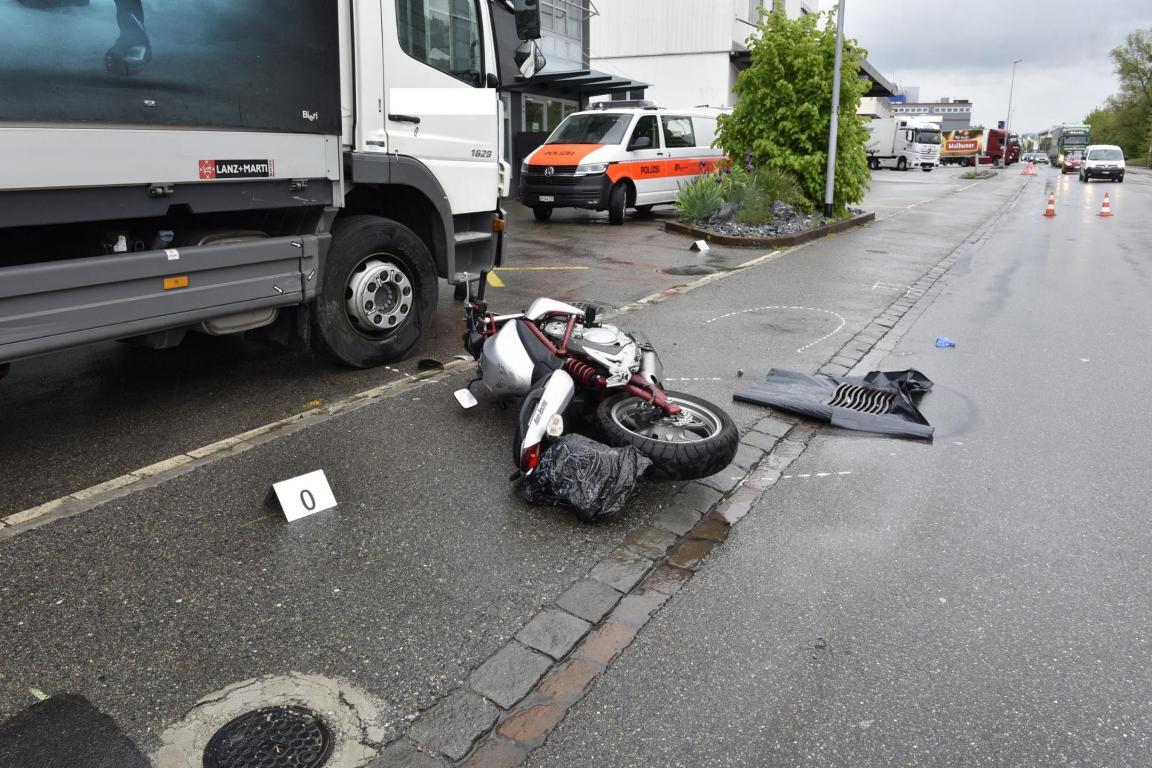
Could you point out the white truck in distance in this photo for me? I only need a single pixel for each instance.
(314, 167)
(902, 143)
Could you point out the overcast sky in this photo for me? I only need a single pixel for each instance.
(964, 49)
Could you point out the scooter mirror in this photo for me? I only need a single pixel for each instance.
(465, 398)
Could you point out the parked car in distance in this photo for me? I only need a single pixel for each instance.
(1071, 163)
(1102, 161)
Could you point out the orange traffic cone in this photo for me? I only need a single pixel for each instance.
(1104, 209)
(1051, 210)
(1028, 169)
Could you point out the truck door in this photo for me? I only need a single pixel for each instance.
(438, 55)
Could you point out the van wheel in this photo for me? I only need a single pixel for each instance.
(542, 212)
(901, 164)
(378, 293)
(617, 203)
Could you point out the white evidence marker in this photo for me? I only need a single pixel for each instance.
(304, 495)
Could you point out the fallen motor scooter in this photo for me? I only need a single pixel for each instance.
(568, 367)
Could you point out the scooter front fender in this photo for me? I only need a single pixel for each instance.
(555, 396)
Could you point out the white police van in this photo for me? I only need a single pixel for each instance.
(619, 155)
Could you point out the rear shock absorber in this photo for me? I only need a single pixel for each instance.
(583, 373)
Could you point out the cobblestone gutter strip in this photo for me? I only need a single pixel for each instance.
(510, 704)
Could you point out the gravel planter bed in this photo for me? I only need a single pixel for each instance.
(790, 227)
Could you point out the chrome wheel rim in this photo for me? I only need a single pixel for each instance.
(693, 424)
(378, 297)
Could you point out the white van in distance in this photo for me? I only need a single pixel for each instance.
(618, 157)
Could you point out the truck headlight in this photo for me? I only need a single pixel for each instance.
(591, 169)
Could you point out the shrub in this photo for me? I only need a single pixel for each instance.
(699, 198)
(778, 184)
(784, 112)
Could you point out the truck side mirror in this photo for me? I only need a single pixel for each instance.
(528, 19)
(529, 59)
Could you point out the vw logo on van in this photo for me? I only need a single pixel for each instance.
(549, 171)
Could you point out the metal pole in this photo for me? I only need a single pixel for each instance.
(832, 130)
(1008, 122)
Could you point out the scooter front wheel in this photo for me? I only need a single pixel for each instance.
(699, 441)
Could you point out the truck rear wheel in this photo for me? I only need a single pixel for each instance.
(377, 295)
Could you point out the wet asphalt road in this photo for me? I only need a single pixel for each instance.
(980, 600)
(431, 561)
(75, 419)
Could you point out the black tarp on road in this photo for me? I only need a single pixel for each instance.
(878, 402)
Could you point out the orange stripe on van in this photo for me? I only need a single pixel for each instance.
(655, 169)
(562, 154)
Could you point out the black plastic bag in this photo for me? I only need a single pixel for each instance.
(596, 479)
(879, 402)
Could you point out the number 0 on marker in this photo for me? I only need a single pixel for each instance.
(303, 495)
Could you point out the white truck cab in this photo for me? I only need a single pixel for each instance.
(321, 170)
(903, 142)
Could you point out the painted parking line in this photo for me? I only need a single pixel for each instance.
(495, 281)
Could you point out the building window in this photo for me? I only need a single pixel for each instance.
(562, 17)
(444, 34)
(544, 115)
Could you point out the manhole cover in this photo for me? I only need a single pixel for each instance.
(691, 269)
(272, 737)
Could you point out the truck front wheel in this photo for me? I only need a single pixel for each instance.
(377, 295)
(901, 164)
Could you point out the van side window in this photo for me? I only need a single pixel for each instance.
(444, 34)
(646, 126)
(705, 130)
(678, 132)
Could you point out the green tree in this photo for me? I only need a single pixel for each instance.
(1126, 117)
(783, 116)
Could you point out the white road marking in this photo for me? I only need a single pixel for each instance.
(836, 330)
(697, 378)
(816, 474)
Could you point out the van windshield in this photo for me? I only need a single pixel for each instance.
(1105, 154)
(591, 129)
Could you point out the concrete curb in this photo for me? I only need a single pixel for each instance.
(783, 241)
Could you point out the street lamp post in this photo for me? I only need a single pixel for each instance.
(832, 130)
(1008, 122)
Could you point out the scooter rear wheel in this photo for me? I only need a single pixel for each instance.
(699, 441)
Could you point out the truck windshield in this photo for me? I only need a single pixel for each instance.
(591, 129)
(926, 136)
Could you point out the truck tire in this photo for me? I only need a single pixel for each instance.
(677, 453)
(617, 203)
(901, 164)
(378, 293)
(542, 212)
